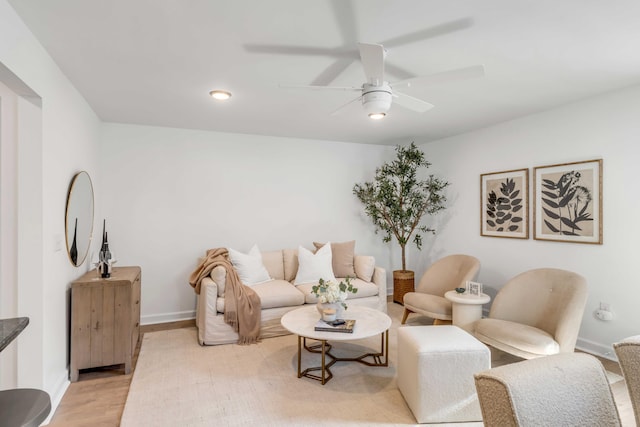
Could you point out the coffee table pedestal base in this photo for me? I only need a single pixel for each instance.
(324, 349)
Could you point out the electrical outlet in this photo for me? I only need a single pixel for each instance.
(603, 315)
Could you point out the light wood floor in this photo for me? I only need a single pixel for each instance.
(98, 397)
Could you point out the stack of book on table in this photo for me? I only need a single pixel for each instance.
(340, 325)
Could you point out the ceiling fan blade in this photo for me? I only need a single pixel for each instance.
(443, 77)
(431, 32)
(346, 20)
(317, 87)
(332, 71)
(298, 50)
(399, 72)
(372, 57)
(411, 103)
(344, 107)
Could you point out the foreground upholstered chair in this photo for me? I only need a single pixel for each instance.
(537, 313)
(559, 390)
(628, 352)
(444, 275)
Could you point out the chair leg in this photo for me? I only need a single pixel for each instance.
(405, 315)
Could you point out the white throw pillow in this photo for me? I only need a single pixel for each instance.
(312, 267)
(249, 266)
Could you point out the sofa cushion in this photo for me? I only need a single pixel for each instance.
(274, 264)
(365, 289)
(273, 294)
(290, 258)
(278, 293)
(364, 266)
(314, 266)
(249, 266)
(341, 258)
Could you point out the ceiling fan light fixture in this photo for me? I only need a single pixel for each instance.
(220, 95)
(376, 100)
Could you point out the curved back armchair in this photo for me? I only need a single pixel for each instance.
(628, 352)
(444, 275)
(537, 313)
(560, 390)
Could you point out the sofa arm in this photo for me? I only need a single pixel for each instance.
(380, 279)
(206, 305)
(219, 276)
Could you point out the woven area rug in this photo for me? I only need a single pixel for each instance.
(179, 383)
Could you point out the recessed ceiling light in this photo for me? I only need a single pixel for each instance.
(220, 95)
(376, 116)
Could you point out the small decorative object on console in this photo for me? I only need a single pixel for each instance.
(461, 290)
(106, 259)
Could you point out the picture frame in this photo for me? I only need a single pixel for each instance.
(568, 202)
(504, 204)
(474, 288)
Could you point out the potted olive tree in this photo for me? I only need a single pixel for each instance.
(397, 200)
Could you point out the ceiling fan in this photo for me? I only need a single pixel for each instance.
(377, 94)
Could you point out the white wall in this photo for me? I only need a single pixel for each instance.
(171, 194)
(63, 142)
(605, 127)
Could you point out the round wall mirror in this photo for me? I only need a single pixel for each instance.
(79, 218)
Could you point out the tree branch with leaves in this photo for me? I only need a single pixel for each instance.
(397, 200)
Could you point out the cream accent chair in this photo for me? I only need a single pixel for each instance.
(559, 390)
(537, 313)
(628, 352)
(444, 275)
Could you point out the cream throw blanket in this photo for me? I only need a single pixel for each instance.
(241, 305)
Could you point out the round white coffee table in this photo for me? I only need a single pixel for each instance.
(466, 308)
(369, 322)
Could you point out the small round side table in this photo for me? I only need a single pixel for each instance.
(466, 308)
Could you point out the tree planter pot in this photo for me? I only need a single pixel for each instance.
(403, 282)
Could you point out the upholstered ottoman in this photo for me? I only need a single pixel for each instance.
(436, 365)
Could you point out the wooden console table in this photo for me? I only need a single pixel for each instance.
(105, 319)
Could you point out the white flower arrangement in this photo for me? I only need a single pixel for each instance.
(332, 292)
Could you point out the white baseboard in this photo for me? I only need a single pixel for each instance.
(596, 349)
(152, 319)
(57, 393)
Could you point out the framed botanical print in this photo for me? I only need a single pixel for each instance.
(568, 202)
(504, 204)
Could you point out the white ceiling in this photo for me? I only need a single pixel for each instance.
(153, 62)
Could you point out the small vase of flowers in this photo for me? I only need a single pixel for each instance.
(332, 295)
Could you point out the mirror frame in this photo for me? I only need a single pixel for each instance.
(79, 200)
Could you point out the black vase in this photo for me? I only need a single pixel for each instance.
(73, 251)
(105, 253)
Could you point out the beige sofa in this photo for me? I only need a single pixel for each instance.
(278, 296)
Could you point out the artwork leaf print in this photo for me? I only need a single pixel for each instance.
(502, 209)
(569, 202)
(504, 204)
